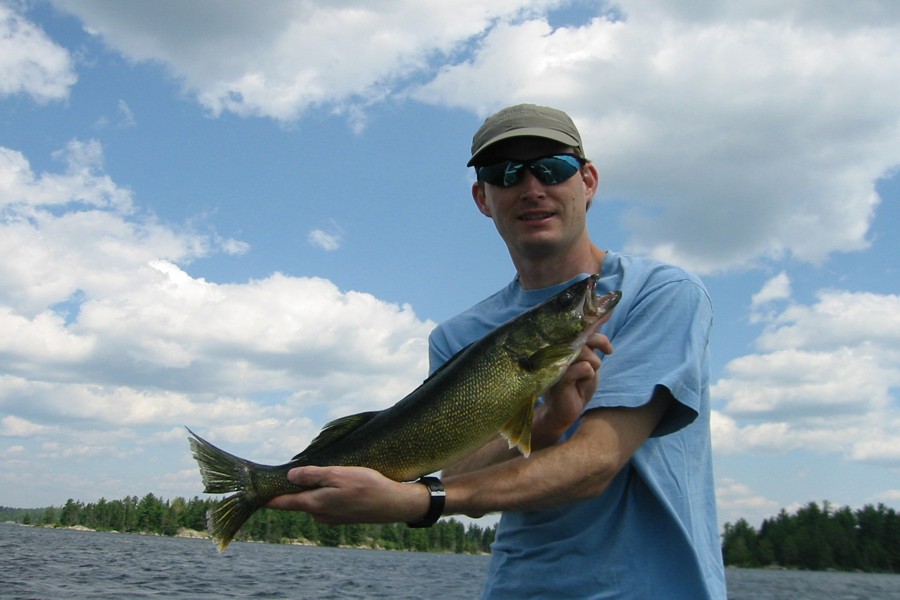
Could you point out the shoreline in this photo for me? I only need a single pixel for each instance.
(183, 532)
(194, 534)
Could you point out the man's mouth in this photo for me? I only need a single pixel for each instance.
(536, 216)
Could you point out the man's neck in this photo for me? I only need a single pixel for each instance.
(546, 272)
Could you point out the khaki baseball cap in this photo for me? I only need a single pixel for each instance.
(525, 120)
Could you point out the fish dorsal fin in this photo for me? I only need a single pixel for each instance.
(546, 357)
(517, 430)
(336, 430)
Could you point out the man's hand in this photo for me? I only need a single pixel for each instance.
(565, 401)
(341, 495)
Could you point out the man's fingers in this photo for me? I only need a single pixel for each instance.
(600, 342)
(309, 477)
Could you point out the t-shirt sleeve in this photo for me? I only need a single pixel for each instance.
(662, 342)
(438, 351)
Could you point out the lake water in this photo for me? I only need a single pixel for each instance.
(48, 564)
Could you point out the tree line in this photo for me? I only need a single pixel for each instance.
(818, 538)
(154, 515)
(814, 537)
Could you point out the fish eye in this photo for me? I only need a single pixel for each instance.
(566, 298)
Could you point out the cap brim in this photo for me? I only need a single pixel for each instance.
(541, 132)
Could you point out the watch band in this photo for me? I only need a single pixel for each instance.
(436, 507)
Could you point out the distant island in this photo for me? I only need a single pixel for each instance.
(818, 538)
(187, 518)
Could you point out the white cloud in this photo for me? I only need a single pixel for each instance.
(826, 380)
(326, 240)
(880, 449)
(126, 115)
(107, 332)
(77, 232)
(789, 382)
(124, 118)
(840, 318)
(12, 452)
(13, 426)
(777, 288)
(735, 501)
(889, 496)
(739, 133)
(735, 139)
(82, 182)
(281, 59)
(30, 62)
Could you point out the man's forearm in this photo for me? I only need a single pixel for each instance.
(579, 467)
(548, 477)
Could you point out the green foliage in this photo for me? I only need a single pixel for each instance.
(155, 515)
(818, 538)
(26, 516)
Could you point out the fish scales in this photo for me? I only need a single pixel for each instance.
(415, 437)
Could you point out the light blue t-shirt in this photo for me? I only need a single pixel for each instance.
(653, 533)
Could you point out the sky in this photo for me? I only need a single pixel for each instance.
(246, 218)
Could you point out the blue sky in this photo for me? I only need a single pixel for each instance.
(246, 218)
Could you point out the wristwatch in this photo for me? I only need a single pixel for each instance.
(436, 507)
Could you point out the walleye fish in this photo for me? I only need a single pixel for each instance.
(488, 387)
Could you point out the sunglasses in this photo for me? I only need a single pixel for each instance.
(547, 169)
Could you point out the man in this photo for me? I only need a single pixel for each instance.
(617, 498)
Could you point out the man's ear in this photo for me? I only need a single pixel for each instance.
(591, 178)
(480, 198)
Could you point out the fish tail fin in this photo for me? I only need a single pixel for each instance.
(225, 520)
(222, 473)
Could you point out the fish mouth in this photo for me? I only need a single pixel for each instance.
(597, 308)
(589, 306)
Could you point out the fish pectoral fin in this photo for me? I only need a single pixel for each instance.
(517, 430)
(336, 430)
(547, 356)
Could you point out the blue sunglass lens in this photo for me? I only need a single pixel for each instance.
(550, 170)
